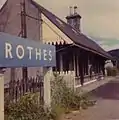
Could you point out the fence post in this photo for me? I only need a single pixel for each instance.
(47, 86)
(1, 96)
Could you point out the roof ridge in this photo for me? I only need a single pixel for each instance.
(77, 37)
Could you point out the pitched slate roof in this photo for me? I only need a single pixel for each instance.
(78, 38)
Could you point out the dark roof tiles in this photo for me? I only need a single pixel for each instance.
(73, 34)
(78, 38)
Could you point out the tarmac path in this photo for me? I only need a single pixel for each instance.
(107, 106)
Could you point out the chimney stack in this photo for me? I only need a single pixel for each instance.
(71, 12)
(75, 10)
(74, 18)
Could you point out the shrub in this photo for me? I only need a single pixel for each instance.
(27, 108)
(66, 97)
(111, 71)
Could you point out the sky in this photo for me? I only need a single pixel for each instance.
(100, 18)
(1, 2)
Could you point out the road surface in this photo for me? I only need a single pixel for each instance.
(107, 106)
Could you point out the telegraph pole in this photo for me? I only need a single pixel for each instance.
(23, 32)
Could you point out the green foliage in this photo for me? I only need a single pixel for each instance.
(27, 108)
(112, 71)
(64, 100)
(67, 98)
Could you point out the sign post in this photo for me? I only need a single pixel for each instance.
(47, 86)
(20, 52)
(1, 96)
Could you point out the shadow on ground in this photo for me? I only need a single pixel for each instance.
(107, 91)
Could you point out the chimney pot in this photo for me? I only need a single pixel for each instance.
(71, 12)
(75, 9)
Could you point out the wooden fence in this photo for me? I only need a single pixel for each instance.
(18, 88)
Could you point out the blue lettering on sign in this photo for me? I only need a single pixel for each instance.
(19, 52)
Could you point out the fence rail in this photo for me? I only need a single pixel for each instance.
(18, 88)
